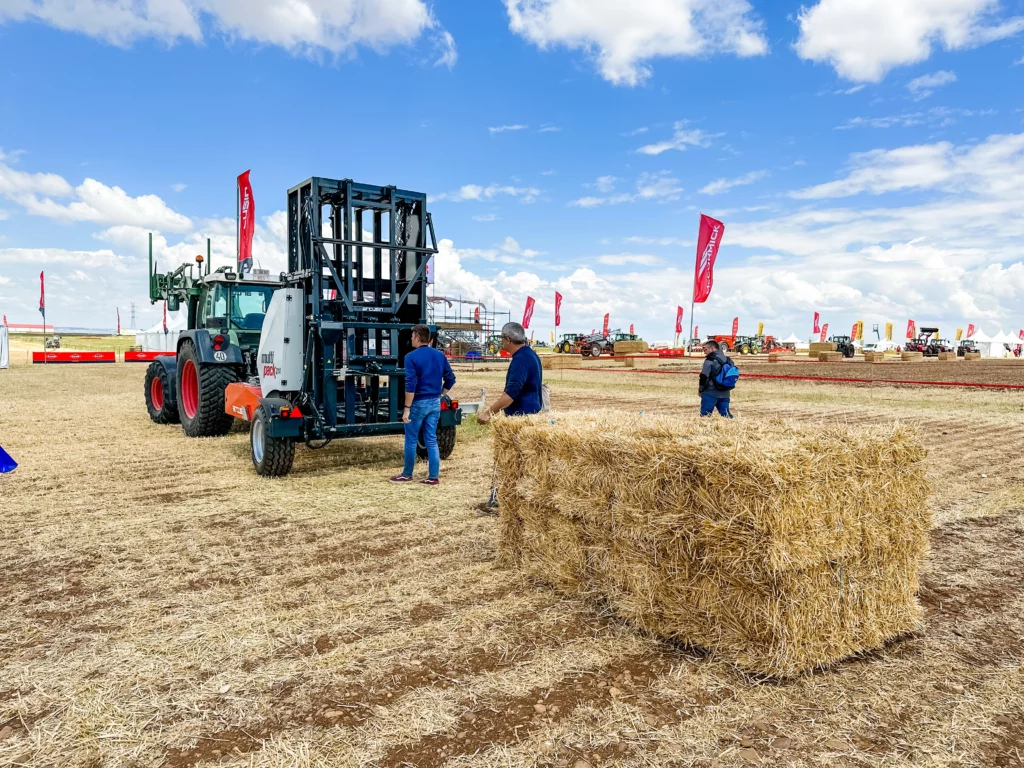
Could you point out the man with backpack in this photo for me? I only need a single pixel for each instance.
(718, 378)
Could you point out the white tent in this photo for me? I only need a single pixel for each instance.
(798, 344)
(5, 352)
(155, 340)
(990, 346)
(1000, 342)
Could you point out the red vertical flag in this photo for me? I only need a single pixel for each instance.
(824, 331)
(42, 295)
(817, 323)
(246, 222)
(528, 312)
(970, 330)
(708, 242)
(476, 315)
(911, 329)
(735, 326)
(679, 319)
(696, 331)
(118, 321)
(5, 319)
(165, 317)
(558, 309)
(606, 323)
(853, 333)
(631, 331)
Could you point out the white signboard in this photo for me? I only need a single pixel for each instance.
(5, 352)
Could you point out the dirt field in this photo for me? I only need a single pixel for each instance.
(161, 605)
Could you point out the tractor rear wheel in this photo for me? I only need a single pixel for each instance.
(201, 394)
(745, 349)
(445, 442)
(160, 400)
(271, 456)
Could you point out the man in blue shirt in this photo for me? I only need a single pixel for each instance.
(428, 376)
(524, 380)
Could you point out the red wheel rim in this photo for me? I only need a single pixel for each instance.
(190, 389)
(156, 394)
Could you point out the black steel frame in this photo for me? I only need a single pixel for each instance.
(362, 299)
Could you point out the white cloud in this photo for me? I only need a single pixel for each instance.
(109, 205)
(995, 165)
(604, 184)
(300, 26)
(864, 39)
(682, 138)
(102, 259)
(491, 191)
(486, 217)
(664, 241)
(623, 37)
(924, 86)
(505, 128)
(941, 117)
(179, 187)
(448, 54)
(635, 131)
(548, 128)
(659, 186)
(506, 252)
(621, 259)
(16, 184)
(724, 185)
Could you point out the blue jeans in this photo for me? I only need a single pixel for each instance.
(709, 401)
(423, 415)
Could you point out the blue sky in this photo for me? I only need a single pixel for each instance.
(866, 156)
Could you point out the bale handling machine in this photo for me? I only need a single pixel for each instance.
(332, 352)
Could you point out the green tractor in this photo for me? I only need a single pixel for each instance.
(568, 344)
(225, 319)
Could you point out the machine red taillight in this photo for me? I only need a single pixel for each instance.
(449, 405)
(286, 412)
(219, 342)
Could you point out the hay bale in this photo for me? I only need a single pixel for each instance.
(948, 356)
(874, 357)
(830, 357)
(779, 547)
(553, 362)
(911, 357)
(972, 356)
(631, 348)
(780, 357)
(822, 346)
(643, 362)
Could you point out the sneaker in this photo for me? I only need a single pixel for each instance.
(431, 481)
(400, 479)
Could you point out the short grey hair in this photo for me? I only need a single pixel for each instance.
(514, 332)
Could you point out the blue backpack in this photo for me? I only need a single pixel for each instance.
(727, 376)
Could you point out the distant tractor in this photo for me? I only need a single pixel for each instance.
(845, 345)
(568, 343)
(926, 343)
(53, 342)
(492, 344)
(726, 342)
(966, 346)
(219, 347)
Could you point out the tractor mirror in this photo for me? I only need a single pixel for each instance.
(172, 303)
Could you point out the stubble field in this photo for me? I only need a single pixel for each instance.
(161, 605)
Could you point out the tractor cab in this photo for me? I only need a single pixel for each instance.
(845, 345)
(234, 305)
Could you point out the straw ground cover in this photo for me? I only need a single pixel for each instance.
(162, 606)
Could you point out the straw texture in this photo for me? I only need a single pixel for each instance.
(911, 356)
(830, 357)
(630, 348)
(781, 548)
(822, 346)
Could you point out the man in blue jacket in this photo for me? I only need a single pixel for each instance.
(428, 376)
(524, 380)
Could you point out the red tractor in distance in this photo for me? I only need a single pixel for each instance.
(927, 343)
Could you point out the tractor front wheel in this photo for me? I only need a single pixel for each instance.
(595, 350)
(745, 349)
(445, 442)
(160, 400)
(271, 456)
(201, 394)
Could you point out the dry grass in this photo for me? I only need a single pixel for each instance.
(163, 606)
(780, 547)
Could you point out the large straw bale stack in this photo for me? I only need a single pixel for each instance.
(556, 361)
(874, 357)
(830, 357)
(779, 547)
(780, 357)
(948, 356)
(911, 357)
(631, 348)
(822, 346)
(643, 362)
(972, 355)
